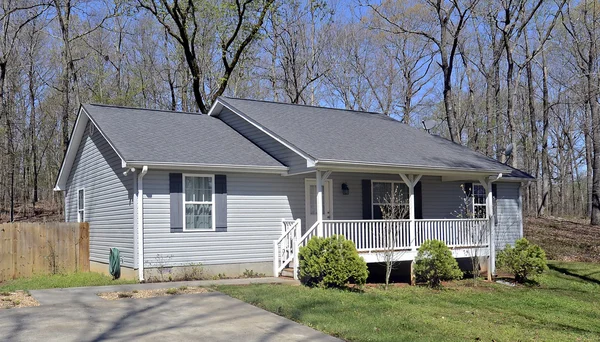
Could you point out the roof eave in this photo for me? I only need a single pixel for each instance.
(281, 170)
(361, 166)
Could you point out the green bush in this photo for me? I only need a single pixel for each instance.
(331, 262)
(526, 261)
(434, 263)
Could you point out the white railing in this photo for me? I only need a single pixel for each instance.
(378, 235)
(371, 235)
(286, 224)
(310, 233)
(285, 248)
(455, 233)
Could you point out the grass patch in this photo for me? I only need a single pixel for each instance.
(172, 291)
(563, 308)
(79, 279)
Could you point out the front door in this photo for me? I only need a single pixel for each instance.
(311, 201)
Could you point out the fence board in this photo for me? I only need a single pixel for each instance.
(28, 249)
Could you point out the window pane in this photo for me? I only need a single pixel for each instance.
(198, 189)
(479, 195)
(189, 188)
(80, 203)
(479, 211)
(198, 216)
(381, 192)
(401, 191)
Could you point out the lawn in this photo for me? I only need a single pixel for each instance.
(61, 281)
(565, 307)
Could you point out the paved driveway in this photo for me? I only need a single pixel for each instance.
(196, 317)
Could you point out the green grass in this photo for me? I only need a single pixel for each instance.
(565, 307)
(61, 281)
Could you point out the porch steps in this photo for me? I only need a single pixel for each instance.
(288, 272)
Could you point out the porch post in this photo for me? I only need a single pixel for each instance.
(489, 215)
(411, 181)
(319, 204)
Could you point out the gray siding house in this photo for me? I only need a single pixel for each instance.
(248, 184)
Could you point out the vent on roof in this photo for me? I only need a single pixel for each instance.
(91, 129)
(428, 125)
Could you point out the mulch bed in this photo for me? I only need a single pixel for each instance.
(136, 294)
(17, 299)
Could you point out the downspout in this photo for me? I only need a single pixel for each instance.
(140, 222)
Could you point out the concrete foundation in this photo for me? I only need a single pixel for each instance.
(126, 272)
(206, 271)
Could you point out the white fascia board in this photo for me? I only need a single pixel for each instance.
(281, 170)
(69, 158)
(352, 166)
(218, 106)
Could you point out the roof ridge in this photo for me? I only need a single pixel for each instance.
(304, 105)
(141, 108)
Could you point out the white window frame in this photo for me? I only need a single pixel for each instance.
(81, 212)
(392, 182)
(212, 202)
(475, 205)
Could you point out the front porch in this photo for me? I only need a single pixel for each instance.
(376, 238)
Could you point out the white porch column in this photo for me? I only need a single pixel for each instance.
(319, 204)
(321, 178)
(411, 181)
(489, 215)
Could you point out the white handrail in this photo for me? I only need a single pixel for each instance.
(284, 248)
(309, 234)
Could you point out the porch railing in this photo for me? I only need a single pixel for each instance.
(455, 233)
(285, 249)
(371, 235)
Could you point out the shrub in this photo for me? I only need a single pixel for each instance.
(172, 291)
(526, 261)
(331, 262)
(434, 263)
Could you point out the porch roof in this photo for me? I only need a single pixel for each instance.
(346, 137)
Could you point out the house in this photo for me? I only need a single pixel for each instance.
(244, 186)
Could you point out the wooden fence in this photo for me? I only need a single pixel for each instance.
(28, 249)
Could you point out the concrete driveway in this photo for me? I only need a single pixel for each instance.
(196, 317)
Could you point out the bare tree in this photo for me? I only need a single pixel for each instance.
(392, 234)
(185, 21)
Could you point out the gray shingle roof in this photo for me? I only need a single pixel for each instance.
(175, 137)
(345, 135)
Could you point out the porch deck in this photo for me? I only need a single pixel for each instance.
(374, 239)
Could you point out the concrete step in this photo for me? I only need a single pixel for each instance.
(287, 272)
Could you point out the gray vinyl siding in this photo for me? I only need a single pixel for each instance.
(256, 204)
(108, 198)
(510, 214)
(289, 158)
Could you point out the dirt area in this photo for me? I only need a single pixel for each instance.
(17, 299)
(564, 239)
(152, 293)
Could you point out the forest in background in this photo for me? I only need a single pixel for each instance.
(490, 73)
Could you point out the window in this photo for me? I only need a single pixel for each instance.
(198, 202)
(81, 205)
(383, 196)
(479, 201)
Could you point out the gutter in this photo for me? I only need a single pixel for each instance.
(140, 222)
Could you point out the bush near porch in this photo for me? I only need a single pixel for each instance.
(563, 308)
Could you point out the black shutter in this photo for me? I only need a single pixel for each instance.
(468, 189)
(220, 210)
(494, 190)
(495, 202)
(367, 203)
(176, 206)
(418, 202)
